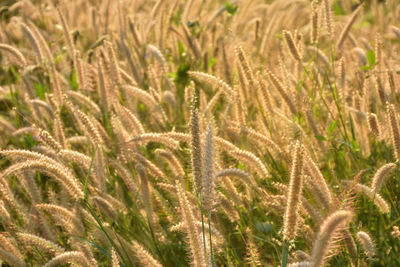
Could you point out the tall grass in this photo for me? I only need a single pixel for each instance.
(199, 133)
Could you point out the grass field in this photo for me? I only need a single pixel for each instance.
(199, 133)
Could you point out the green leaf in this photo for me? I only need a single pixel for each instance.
(354, 145)
(60, 58)
(177, 17)
(173, 75)
(14, 74)
(241, 166)
(181, 48)
(211, 62)
(231, 8)
(40, 92)
(337, 9)
(366, 67)
(73, 82)
(29, 141)
(371, 58)
(142, 108)
(353, 135)
(331, 127)
(335, 93)
(320, 137)
(182, 75)
(100, 226)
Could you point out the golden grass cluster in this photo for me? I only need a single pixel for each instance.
(199, 132)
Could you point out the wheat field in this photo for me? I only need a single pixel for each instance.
(199, 133)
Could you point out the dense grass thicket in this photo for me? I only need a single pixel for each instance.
(199, 133)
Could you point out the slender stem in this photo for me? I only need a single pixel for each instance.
(209, 230)
(155, 240)
(284, 253)
(202, 226)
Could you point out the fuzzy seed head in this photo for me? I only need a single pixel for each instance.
(295, 190)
